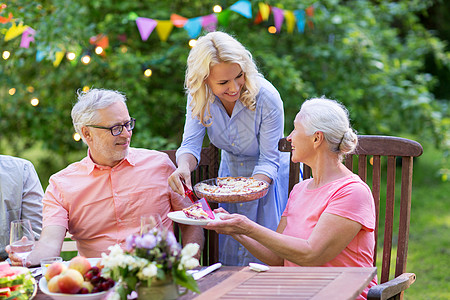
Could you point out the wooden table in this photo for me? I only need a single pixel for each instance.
(280, 283)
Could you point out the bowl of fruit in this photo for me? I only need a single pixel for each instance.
(80, 278)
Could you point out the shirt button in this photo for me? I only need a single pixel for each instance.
(240, 248)
(242, 164)
(115, 194)
(240, 204)
(232, 144)
(119, 220)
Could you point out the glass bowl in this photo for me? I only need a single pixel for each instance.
(237, 194)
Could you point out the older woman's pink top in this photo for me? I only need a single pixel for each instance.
(348, 197)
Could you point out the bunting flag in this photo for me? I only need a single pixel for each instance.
(278, 17)
(164, 28)
(27, 37)
(39, 55)
(310, 13)
(300, 16)
(194, 27)
(209, 22)
(264, 10)
(58, 58)
(145, 27)
(177, 20)
(243, 7)
(290, 20)
(5, 20)
(223, 17)
(15, 31)
(100, 40)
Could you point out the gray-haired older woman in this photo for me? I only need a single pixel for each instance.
(329, 219)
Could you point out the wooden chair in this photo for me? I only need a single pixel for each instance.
(207, 168)
(381, 151)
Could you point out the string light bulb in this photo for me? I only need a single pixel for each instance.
(123, 49)
(86, 59)
(86, 89)
(12, 91)
(192, 43)
(98, 50)
(30, 89)
(76, 136)
(6, 54)
(272, 29)
(71, 56)
(148, 72)
(217, 9)
(34, 101)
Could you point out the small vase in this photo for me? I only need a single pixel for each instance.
(159, 290)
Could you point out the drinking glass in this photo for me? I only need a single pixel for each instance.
(148, 222)
(21, 239)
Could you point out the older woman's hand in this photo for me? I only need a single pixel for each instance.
(230, 224)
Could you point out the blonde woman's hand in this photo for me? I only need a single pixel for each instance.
(175, 180)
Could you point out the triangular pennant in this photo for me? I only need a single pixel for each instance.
(177, 20)
(194, 27)
(258, 18)
(224, 17)
(290, 20)
(27, 37)
(40, 55)
(278, 17)
(58, 58)
(209, 22)
(163, 28)
(145, 27)
(14, 31)
(310, 11)
(264, 10)
(243, 7)
(300, 16)
(101, 40)
(5, 20)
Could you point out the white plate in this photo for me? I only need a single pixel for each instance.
(180, 217)
(61, 296)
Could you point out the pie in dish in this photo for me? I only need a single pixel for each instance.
(233, 185)
(195, 211)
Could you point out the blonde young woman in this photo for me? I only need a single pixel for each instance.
(243, 115)
(329, 219)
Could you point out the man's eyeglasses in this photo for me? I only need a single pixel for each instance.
(117, 129)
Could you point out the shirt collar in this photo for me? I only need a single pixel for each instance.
(130, 159)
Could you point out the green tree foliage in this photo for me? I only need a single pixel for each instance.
(370, 55)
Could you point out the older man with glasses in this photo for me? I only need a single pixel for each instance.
(100, 199)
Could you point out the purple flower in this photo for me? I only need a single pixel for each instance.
(147, 241)
(130, 242)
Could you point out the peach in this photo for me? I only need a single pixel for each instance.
(54, 269)
(70, 281)
(80, 263)
(52, 285)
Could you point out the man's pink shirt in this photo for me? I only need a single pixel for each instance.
(101, 206)
(348, 197)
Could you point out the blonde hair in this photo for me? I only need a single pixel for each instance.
(210, 50)
(331, 118)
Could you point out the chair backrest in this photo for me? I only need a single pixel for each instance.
(208, 167)
(379, 152)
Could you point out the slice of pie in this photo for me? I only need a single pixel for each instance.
(195, 211)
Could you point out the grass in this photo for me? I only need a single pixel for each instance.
(429, 236)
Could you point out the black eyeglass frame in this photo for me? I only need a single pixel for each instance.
(130, 123)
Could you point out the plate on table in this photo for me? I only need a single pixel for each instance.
(61, 296)
(231, 189)
(180, 217)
